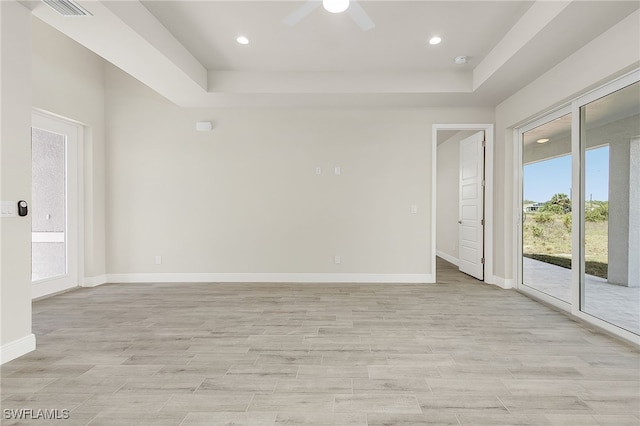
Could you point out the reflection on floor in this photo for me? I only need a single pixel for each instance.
(616, 304)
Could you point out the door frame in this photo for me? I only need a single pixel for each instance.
(518, 134)
(45, 288)
(577, 195)
(488, 129)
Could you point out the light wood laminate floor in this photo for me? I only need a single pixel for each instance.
(454, 353)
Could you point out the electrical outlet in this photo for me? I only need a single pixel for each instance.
(158, 260)
(337, 260)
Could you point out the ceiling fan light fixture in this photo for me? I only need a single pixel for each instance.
(543, 140)
(335, 6)
(435, 40)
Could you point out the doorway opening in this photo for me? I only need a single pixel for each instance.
(463, 198)
(55, 206)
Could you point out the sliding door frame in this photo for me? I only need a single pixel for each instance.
(578, 236)
(518, 196)
(577, 205)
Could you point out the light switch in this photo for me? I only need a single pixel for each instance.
(158, 260)
(337, 170)
(318, 170)
(9, 208)
(414, 209)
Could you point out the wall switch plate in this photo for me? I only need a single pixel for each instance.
(414, 209)
(9, 208)
(318, 170)
(337, 171)
(337, 260)
(158, 260)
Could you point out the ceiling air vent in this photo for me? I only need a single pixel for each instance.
(67, 7)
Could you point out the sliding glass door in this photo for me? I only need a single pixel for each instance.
(610, 144)
(579, 207)
(546, 208)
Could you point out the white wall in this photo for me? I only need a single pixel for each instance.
(245, 198)
(612, 54)
(448, 198)
(15, 175)
(68, 80)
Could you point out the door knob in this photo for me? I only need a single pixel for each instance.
(460, 222)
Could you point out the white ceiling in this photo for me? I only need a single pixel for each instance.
(323, 41)
(186, 50)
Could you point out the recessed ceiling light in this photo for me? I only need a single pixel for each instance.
(544, 140)
(435, 40)
(242, 40)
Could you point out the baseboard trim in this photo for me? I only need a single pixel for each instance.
(447, 257)
(506, 283)
(17, 348)
(272, 278)
(94, 281)
(44, 289)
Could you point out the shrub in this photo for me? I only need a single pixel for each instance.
(537, 231)
(567, 221)
(552, 208)
(559, 204)
(543, 217)
(599, 213)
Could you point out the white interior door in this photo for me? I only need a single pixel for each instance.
(471, 215)
(55, 205)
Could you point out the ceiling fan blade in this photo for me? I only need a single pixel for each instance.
(301, 12)
(359, 16)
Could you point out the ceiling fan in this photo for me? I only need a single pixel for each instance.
(352, 7)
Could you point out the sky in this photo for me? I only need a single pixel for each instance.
(544, 179)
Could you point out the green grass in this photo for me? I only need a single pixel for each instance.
(597, 269)
(549, 240)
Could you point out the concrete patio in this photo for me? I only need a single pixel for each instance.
(616, 304)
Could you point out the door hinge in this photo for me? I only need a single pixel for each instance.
(484, 144)
(482, 222)
(482, 260)
(483, 182)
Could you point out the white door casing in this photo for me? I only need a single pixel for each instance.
(471, 214)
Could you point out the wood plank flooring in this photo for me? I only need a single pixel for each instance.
(454, 353)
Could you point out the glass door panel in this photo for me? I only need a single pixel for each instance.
(610, 140)
(55, 231)
(49, 216)
(546, 208)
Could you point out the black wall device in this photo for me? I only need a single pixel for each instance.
(22, 208)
